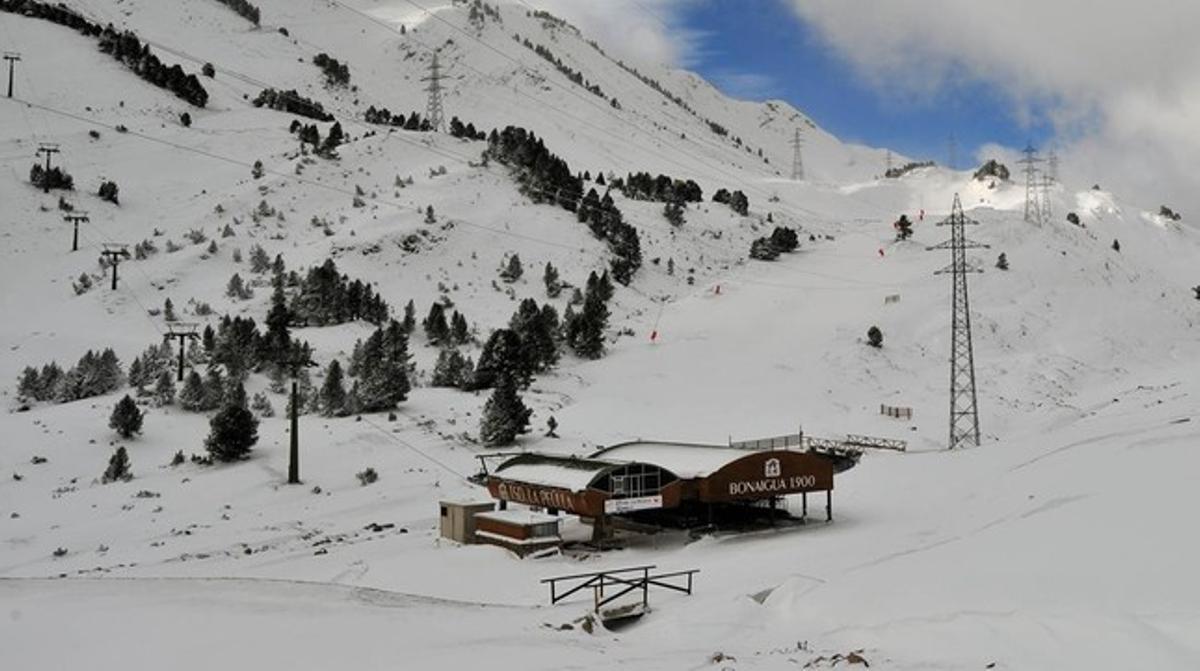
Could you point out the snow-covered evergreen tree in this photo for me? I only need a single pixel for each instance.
(333, 391)
(126, 418)
(504, 416)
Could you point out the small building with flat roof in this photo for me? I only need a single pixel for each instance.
(524, 532)
(457, 519)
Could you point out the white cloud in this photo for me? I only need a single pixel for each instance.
(745, 85)
(643, 30)
(1120, 80)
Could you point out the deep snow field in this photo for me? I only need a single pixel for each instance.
(1065, 542)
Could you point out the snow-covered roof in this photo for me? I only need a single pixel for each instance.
(685, 460)
(568, 473)
(524, 517)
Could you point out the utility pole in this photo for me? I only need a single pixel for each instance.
(12, 57)
(797, 157)
(114, 254)
(433, 109)
(183, 332)
(75, 218)
(964, 409)
(295, 362)
(49, 149)
(889, 164)
(1053, 161)
(1033, 213)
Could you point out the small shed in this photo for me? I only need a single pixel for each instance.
(458, 519)
(522, 531)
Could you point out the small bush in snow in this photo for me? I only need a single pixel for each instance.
(874, 337)
(367, 477)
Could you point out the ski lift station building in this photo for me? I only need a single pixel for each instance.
(677, 482)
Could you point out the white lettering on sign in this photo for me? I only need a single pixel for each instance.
(771, 485)
(537, 496)
(618, 506)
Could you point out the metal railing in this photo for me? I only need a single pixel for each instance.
(625, 580)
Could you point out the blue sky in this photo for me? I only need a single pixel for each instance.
(769, 52)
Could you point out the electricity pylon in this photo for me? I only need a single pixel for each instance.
(964, 407)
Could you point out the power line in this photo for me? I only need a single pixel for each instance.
(410, 446)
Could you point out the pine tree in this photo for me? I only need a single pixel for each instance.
(502, 357)
(169, 311)
(1002, 261)
(29, 384)
(451, 370)
(384, 381)
(512, 270)
(214, 390)
(673, 211)
(235, 394)
(504, 416)
(192, 396)
(126, 418)
(333, 391)
(259, 261)
(233, 432)
(136, 377)
(410, 317)
(550, 277)
(257, 171)
(354, 402)
(277, 343)
(460, 332)
(262, 405)
(238, 289)
(600, 285)
(437, 331)
(164, 388)
(590, 326)
(118, 467)
(537, 331)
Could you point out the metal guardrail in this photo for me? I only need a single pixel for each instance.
(626, 580)
(851, 445)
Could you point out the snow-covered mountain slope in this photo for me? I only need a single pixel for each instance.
(1061, 543)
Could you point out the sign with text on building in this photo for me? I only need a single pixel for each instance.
(768, 474)
(618, 506)
(580, 503)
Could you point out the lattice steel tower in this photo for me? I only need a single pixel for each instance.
(433, 109)
(964, 407)
(1047, 184)
(1033, 212)
(797, 157)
